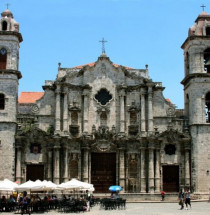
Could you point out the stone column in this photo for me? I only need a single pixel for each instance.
(57, 110)
(122, 167)
(85, 110)
(56, 178)
(122, 111)
(79, 166)
(150, 110)
(143, 173)
(151, 184)
(65, 111)
(49, 164)
(187, 167)
(18, 163)
(65, 173)
(86, 165)
(157, 171)
(143, 124)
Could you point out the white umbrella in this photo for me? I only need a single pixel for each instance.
(76, 184)
(29, 185)
(37, 185)
(49, 185)
(7, 185)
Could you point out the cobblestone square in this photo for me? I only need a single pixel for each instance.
(198, 208)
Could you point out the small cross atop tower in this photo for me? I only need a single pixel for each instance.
(103, 47)
(7, 5)
(203, 6)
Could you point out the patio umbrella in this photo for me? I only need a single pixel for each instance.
(7, 185)
(115, 188)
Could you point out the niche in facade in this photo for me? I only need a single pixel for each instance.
(35, 148)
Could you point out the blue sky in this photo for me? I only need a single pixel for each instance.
(138, 32)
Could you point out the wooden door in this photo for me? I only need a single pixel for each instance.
(35, 172)
(103, 171)
(171, 178)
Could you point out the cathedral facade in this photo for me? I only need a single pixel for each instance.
(105, 123)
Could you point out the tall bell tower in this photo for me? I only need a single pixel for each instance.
(10, 39)
(197, 100)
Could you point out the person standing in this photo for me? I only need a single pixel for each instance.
(187, 199)
(162, 193)
(181, 199)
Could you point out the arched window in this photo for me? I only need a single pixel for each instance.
(4, 26)
(3, 58)
(187, 63)
(207, 103)
(74, 118)
(207, 60)
(187, 105)
(103, 119)
(207, 31)
(2, 101)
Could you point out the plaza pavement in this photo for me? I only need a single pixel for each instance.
(198, 208)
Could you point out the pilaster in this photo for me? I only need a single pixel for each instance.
(56, 176)
(143, 173)
(57, 110)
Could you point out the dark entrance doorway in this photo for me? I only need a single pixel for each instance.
(171, 178)
(35, 172)
(103, 171)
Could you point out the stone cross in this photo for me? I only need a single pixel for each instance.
(203, 6)
(103, 47)
(7, 5)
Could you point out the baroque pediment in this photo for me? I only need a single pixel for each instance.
(172, 135)
(33, 132)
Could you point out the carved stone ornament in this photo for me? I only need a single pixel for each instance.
(35, 109)
(170, 112)
(103, 146)
(103, 133)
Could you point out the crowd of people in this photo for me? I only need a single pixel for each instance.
(35, 203)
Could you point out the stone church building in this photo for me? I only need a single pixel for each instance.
(105, 123)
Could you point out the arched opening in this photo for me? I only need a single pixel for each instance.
(187, 64)
(2, 101)
(4, 26)
(3, 58)
(187, 105)
(103, 119)
(207, 106)
(207, 31)
(207, 60)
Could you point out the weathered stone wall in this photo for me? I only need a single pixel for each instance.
(200, 157)
(7, 150)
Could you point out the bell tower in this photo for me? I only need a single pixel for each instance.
(10, 39)
(197, 99)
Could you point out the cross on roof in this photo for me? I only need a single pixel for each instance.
(203, 6)
(103, 47)
(7, 5)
